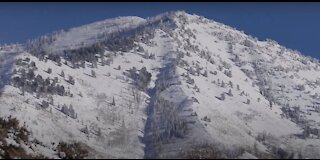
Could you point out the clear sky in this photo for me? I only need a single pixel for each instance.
(294, 25)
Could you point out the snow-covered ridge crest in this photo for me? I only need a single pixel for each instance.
(85, 35)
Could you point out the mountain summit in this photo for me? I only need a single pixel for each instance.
(171, 86)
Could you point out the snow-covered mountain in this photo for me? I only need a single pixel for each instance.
(171, 86)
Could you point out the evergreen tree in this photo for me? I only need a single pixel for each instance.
(113, 102)
(71, 80)
(223, 97)
(30, 74)
(62, 74)
(50, 100)
(33, 64)
(93, 73)
(231, 84)
(223, 84)
(49, 70)
(44, 104)
(215, 73)
(230, 93)
(205, 73)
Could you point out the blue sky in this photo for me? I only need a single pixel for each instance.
(294, 25)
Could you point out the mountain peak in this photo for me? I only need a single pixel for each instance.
(179, 13)
(172, 15)
(160, 87)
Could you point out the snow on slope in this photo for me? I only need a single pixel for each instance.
(196, 61)
(89, 34)
(93, 109)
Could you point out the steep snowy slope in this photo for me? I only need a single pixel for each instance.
(89, 34)
(212, 92)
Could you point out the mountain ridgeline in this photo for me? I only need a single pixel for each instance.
(171, 86)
